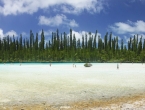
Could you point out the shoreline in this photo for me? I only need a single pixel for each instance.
(71, 62)
(136, 101)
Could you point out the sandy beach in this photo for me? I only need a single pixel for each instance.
(62, 86)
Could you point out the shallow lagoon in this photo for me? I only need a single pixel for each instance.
(62, 83)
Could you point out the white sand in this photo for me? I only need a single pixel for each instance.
(62, 83)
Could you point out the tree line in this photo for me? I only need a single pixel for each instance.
(67, 48)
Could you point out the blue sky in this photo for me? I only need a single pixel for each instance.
(123, 18)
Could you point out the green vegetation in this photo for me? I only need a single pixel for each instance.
(63, 48)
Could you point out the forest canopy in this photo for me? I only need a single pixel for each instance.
(66, 48)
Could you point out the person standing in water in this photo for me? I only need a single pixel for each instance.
(117, 66)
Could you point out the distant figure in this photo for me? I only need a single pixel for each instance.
(20, 64)
(50, 64)
(75, 66)
(117, 66)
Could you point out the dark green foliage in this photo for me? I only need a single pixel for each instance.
(122, 45)
(64, 47)
(106, 41)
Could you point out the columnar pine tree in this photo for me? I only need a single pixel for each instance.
(66, 47)
(110, 38)
(122, 45)
(70, 38)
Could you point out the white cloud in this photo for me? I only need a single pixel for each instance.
(79, 35)
(92, 6)
(14, 7)
(128, 27)
(57, 21)
(1, 33)
(10, 33)
(72, 23)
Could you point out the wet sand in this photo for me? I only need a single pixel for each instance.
(136, 102)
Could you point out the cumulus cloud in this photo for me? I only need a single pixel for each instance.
(10, 33)
(14, 7)
(79, 34)
(57, 21)
(128, 27)
(72, 23)
(92, 6)
(1, 33)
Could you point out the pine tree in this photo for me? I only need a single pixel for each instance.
(122, 45)
(0, 44)
(117, 47)
(144, 45)
(69, 48)
(7, 43)
(83, 45)
(24, 44)
(105, 41)
(110, 38)
(64, 41)
(74, 42)
(42, 41)
(61, 43)
(78, 43)
(58, 41)
(31, 39)
(86, 44)
(100, 44)
(94, 42)
(14, 44)
(128, 45)
(140, 46)
(36, 42)
(27, 43)
(52, 42)
(20, 41)
(113, 45)
(130, 42)
(71, 38)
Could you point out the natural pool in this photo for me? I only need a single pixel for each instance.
(62, 83)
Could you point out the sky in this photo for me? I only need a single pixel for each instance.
(124, 18)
